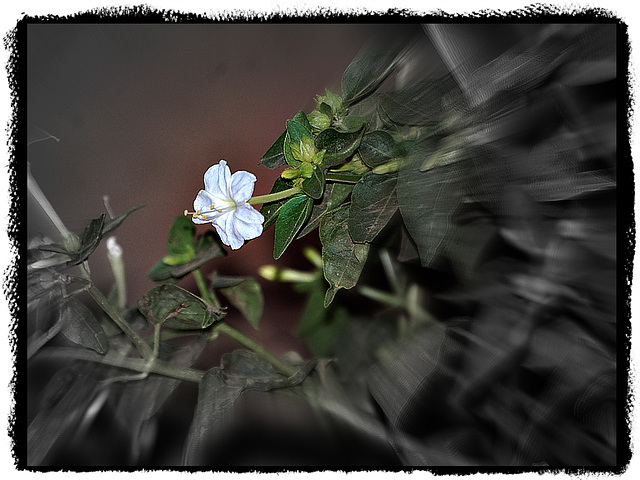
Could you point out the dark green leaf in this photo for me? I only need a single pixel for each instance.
(182, 238)
(351, 123)
(417, 104)
(274, 158)
(314, 186)
(376, 148)
(178, 309)
(373, 203)
(292, 217)
(326, 109)
(80, 326)
(90, 239)
(221, 387)
(223, 282)
(246, 297)
(342, 259)
(110, 225)
(334, 195)
(369, 69)
(302, 119)
(338, 145)
(271, 210)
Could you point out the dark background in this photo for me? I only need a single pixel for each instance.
(142, 110)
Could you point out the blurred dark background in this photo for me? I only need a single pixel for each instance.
(140, 112)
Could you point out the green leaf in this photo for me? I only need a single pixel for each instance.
(303, 120)
(207, 247)
(314, 186)
(376, 148)
(297, 130)
(373, 203)
(90, 240)
(338, 145)
(334, 195)
(342, 259)
(369, 69)
(247, 297)
(177, 309)
(110, 225)
(220, 388)
(292, 217)
(351, 123)
(274, 158)
(326, 109)
(181, 241)
(80, 326)
(271, 210)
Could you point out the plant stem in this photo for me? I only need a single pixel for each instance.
(222, 327)
(114, 313)
(137, 364)
(207, 295)
(39, 196)
(272, 197)
(251, 344)
(342, 178)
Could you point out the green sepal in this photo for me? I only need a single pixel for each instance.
(292, 217)
(178, 309)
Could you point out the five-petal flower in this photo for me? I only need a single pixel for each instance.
(223, 202)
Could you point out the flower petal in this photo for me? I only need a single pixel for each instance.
(203, 203)
(242, 184)
(248, 222)
(225, 226)
(216, 179)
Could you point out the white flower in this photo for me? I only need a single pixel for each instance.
(223, 202)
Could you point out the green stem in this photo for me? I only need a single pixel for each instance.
(222, 327)
(342, 178)
(114, 313)
(137, 364)
(251, 344)
(272, 197)
(207, 295)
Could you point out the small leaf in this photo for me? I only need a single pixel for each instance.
(376, 148)
(90, 239)
(182, 238)
(297, 130)
(178, 309)
(80, 326)
(338, 145)
(342, 259)
(271, 210)
(247, 297)
(207, 248)
(351, 123)
(274, 158)
(334, 195)
(303, 120)
(110, 225)
(292, 217)
(373, 204)
(314, 186)
(370, 68)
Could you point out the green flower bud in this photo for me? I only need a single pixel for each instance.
(306, 170)
(388, 167)
(318, 157)
(290, 173)
(318, 120)
(331, 99)
(305, 151)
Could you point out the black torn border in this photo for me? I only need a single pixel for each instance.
(14, 276)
